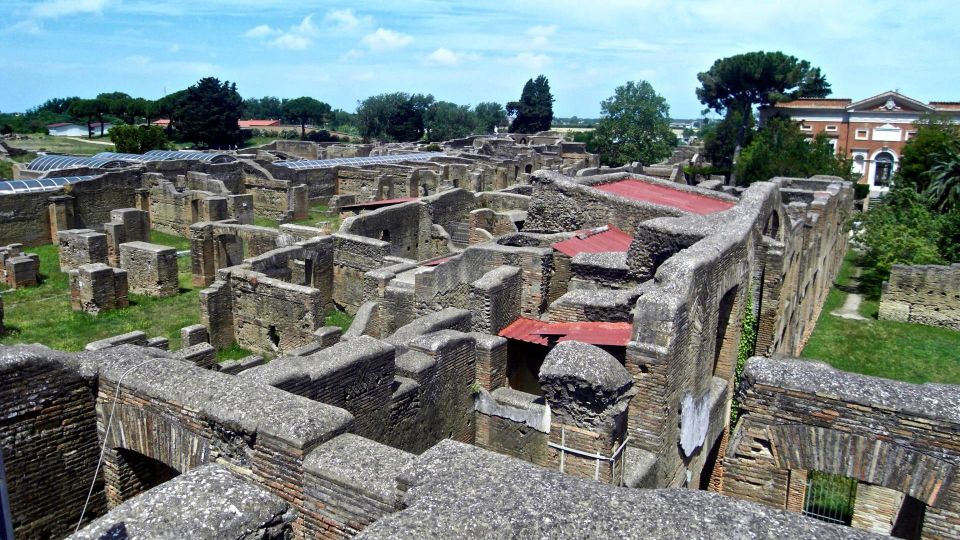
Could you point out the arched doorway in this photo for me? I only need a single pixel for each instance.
(883, 166)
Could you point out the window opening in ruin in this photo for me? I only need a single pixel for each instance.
(523, 366)
(909, 522)
(772, 229)
(723, 324)
(194, 211)
(144, 472)
(308, 272)
(385, 235)
(829, 497)
(528, 169)
(274, 336)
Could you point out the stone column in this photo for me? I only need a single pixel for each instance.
(875, 508)
(588, 392)
(60, 209)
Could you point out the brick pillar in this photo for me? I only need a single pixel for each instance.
(491, 361)
(143, 203)
(60, 209)
(875, 509)
(796, 490)
(587, 390)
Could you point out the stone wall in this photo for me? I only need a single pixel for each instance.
(799, 416)
(270, 315)
(925, 294)
(48, 439)
(98, 287)
(78, 247)
(212, 502)
(353, 256)
(151, 268)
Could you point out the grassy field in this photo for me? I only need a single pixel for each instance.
(318, 212)
(63, 145)
(895, 350)
(43, 314)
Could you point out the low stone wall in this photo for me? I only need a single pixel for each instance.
(212, 502)
(799, 416)
(98, 287)
(924, 294)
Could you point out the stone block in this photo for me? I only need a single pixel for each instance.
(151, 268)
(135, 222)
(81, 246)
(98, 287)
(22, 271)
(194, 335)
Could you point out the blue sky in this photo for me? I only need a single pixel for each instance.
(468, 52)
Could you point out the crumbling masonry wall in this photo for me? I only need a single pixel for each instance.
(924, 294)
(800, 416)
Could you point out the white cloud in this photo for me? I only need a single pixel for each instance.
(530, 61)
(174, 48)
(443, 57)
(540, 35)
(262, 30)
(60, 8)
(25, 27)
(291, 42)
(297, 38)
(384, 40)
(346, 20)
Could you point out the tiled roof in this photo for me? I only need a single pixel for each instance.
(811, 103)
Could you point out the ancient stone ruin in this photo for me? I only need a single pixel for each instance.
(924, 294)
(539, 347)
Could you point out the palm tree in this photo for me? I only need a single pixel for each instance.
(944, 188)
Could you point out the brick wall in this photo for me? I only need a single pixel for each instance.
(924, 294)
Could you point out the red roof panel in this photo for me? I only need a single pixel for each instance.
(595, 241)
(594, 333)
(377, 204)
(665, 196)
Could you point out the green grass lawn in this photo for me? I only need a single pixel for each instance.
(317, 213)
(43, 314)
(62, 145)
(895, 350)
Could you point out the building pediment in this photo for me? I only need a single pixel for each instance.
(889, 102)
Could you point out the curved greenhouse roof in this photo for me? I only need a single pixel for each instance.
(173, 155)
(53, 162)
(8, 187)
(357, 161)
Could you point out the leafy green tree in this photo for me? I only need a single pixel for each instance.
(444, 121)
(781, 149)
(169, 107)
(85, 109)
(305, 110)
(720, 140)
(490, 115)
(935, 136)
(943, 191)
(138, 139)
(635, 126)
(397, 116)
(900, 230)
(208, 113)
(589, 138)
(534, 111)
(740, 82)
(267, 107)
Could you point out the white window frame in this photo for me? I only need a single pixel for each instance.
(909, 135)
(861, 134)
(831, 127)
(805, 127)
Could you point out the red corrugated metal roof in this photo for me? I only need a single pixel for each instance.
(437, 262)
(378, 204)
(60, 124)
(665, 196)
(593, 241)
(594, 333)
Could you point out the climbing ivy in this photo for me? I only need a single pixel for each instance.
(748, 342)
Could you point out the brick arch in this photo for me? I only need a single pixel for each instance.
(870, 460)
(135, 432)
